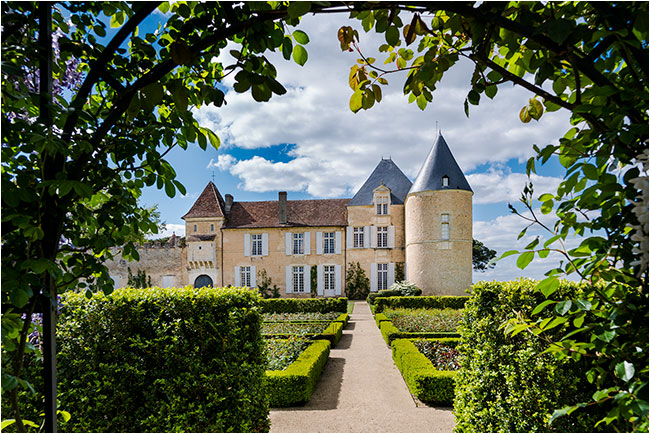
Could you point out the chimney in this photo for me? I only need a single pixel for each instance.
(282, 207)
(228, 203)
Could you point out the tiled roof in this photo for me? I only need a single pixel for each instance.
(440, 162)
(201, 237)
(392, 177)
(323, 212)
(209, 204)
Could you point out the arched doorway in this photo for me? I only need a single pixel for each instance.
(202, 280)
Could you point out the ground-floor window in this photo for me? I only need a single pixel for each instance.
(299, 278)
(245, 276)
(382, 276)
(328, 277)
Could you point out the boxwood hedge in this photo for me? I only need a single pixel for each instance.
(430, 302)
(291, 305)
(162, 360)
(332, 333)
(424, 381)
(505, 384)
(294, 385)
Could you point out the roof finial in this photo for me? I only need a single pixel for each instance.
(213, 176)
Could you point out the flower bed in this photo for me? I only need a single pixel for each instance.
(281, 353)
(424, 320)
(300, 316)
(296, 329)
(444, 357)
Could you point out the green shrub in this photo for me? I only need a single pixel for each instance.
(379, 318)
(293, 305)
(424, 381)
(162, 360)
(428, 302)
(505, 384)
(265, 285)
(357, 285)
(294, 385)
(406, 288)
(390, 333)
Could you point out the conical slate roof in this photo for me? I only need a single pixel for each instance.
(209, 204)
(392, 177)
(439, 163)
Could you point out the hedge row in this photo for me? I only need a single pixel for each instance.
(343, 318)
(332, 333)
(506, 383)
(390, 333)
(424, 381)
(160, 360)
(293, 305)
(428, 302)
(294, 385)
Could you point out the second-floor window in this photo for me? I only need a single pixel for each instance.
(245, 276)
(256, 245)
(299, 278)
(358, 237)
(298, 244)
(194, 228)
(329, 243)
(382, 236)
(444, 230)
(328, 277)
(382, 206)
(382, 276)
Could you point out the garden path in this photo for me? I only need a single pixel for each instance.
(361, 390)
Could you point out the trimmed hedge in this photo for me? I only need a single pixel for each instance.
(429, 301)
(332, 333)
(292, 305)
(389, 293)
(505, 383)
(294, 385)
(427, 383)
(390, 333)
(162, 360)
(379, 318)
(343, 318)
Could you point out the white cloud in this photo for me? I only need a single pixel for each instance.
(224, 162)
(178, 229)
(501, 185)
(336, 149)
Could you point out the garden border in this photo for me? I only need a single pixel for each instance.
(332, 333)
(390, 333)
(294, 385)
(416, 302)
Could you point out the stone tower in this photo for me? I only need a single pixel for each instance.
(438, 226)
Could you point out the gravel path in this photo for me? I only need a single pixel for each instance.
(361, 390)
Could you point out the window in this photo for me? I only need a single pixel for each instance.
(328, 277)
(256, 248)
(445, 181)
(194, 228)
(299, 278)
(298, 244)
(382, 276)
(382, 205)
(245, 276)
(382, 236)
(358, 237)
(445, 226)
(211, 228)
(329, 242)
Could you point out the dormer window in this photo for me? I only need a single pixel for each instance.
(445, 181)
(382, 205)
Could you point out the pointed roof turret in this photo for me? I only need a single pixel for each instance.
(440, 163)
(386, 173)
(209, 204)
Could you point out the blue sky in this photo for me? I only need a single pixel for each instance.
(309, 143)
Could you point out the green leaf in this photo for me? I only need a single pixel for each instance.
(170, 190)
(563, 307)
(356, 101)
(549, 285)
(6, 423)
(509, 253)
(300, 37)
(164, 7)
(525, 259)
(300, 55)
(624, 371)
(607, 336)
(117, 19)
(583, 304)
(298, 8)
(542, 305)
(532, 244)
(561, 412)
(212, 137)
(392, 36)
(287, 47)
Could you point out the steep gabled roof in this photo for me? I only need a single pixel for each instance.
(264, 214)
(392, 177)
(439, 163)
(209, 204)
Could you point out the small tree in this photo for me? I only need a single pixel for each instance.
(481, 256)
(265, 285)
(139, 280)
(399, 272)
(406, 288)
(314, 281)
(357, 285)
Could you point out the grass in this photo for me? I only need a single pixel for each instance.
(350, 306)
(424, 320)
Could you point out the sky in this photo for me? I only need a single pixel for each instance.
(308, 142)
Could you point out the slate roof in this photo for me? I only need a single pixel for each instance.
(264, 214)
(440, 162)
(393, 178)
(209, 204)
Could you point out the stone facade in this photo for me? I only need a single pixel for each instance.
(425, 225)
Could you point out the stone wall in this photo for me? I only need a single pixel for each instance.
(166, 265)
